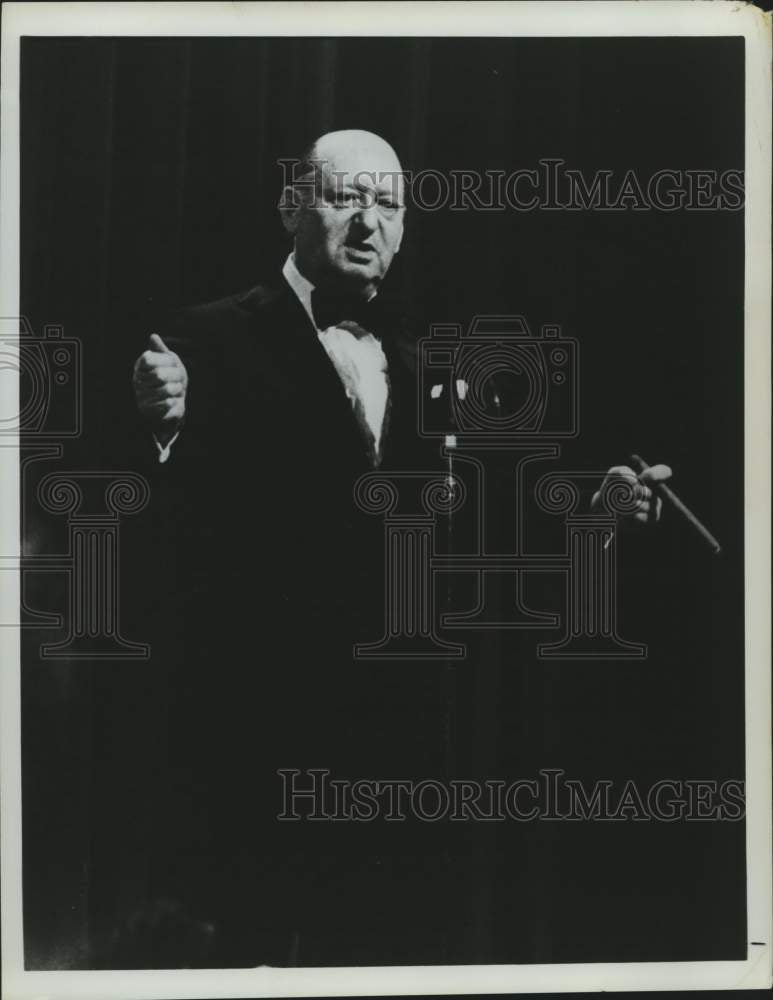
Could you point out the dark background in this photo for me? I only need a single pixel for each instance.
(149, 178)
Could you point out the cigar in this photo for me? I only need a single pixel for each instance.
(668, 495)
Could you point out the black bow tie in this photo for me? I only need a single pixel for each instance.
(332, 310)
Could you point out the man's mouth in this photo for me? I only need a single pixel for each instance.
(362, 251)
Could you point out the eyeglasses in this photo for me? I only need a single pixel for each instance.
(361, 200)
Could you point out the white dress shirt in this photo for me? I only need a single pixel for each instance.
(358, 359)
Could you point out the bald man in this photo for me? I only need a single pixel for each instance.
(266, 407)
(345, 215)
(303, 381)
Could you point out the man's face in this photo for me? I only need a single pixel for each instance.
(347, 233)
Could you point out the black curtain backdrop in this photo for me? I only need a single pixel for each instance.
(150, 177)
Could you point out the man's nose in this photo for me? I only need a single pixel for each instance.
(366, 217)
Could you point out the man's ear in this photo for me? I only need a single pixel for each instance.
(289, 209)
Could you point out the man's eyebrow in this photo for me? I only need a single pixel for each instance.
(385, 184)
(360, 185)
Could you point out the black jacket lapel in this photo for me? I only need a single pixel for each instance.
(307, 386)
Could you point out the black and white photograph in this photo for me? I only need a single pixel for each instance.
(385, 433)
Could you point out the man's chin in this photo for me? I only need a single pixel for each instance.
(353, 273)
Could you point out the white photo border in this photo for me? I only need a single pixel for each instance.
(528, 19)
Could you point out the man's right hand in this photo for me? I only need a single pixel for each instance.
(160, 383)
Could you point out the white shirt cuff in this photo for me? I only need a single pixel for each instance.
(164, 451)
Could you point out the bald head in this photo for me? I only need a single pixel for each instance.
(348, 222)
(348, 146)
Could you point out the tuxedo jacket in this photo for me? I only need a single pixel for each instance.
(272, 574)
(260, 377)
(264, 470)
(269, 572)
